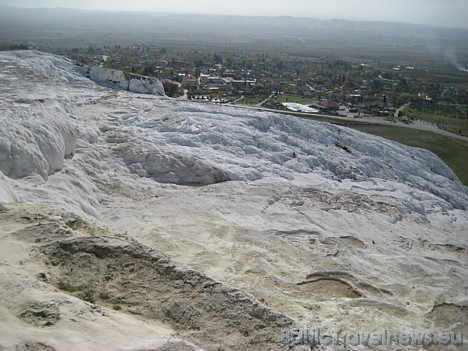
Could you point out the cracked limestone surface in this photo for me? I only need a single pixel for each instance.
(356, 233)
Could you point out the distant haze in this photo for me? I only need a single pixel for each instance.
(449, 13)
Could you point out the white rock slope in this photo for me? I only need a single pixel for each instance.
(356, 233)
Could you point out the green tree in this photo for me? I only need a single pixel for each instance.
(170, 88)
(217, 59)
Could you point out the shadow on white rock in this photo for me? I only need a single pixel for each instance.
(32, 145)
(166, 166)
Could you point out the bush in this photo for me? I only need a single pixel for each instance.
(68, 287)
(342, 146)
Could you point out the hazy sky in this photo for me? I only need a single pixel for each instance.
(452, 13)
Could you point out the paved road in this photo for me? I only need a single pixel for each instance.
(397, 112)
(264, 101)
(239, 99)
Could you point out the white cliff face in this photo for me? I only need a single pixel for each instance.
(32, 145)
(107, 75)
(116, 78)
(356, 233)
(143, 87)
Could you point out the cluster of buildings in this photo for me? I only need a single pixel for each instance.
(326, 85)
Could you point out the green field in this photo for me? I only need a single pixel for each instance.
(251, 100)
(453, 118)
(293, 98)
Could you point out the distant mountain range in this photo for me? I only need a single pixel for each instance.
(69, 27)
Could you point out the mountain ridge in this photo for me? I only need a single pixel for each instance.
(178, 15)
(400, 43)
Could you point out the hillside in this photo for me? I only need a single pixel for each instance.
(138, 222)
